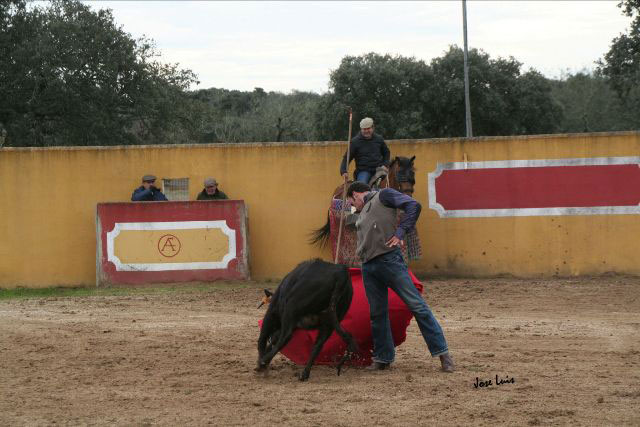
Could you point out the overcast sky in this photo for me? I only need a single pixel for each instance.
(282, 46)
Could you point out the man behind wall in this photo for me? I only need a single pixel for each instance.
(380, 238)
(369, 151)
(148, 192)
(211, 191)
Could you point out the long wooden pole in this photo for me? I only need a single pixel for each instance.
(344, 189)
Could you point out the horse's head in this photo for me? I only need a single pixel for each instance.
(403, 174)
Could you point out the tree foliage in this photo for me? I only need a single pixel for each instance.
(411, 99)
(590, 104)
(621, 65)
(258, 116)
(503, 101)
(391, 89)
(70, 76)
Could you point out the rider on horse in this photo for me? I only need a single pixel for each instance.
(370, 153)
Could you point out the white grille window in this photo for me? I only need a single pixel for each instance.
(176, 189)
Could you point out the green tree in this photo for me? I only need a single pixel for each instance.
(410, 99)
(621, 65)
(503, 102)
(391, 89)
(537, 111)
(258, 116)
(589, 104)
(71, 76)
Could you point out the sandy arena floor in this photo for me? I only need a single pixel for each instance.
(572, 347)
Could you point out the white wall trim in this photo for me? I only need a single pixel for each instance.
(537, 163)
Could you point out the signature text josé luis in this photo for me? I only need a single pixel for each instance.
(489, 383)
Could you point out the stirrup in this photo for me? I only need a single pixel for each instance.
(377, 178)
(375, 182)
(375, 185)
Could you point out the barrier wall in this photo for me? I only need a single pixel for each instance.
(154, 242)
(49, 196)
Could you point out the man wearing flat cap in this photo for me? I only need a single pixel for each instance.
(148, 192)
(369, 151)
(210, 191)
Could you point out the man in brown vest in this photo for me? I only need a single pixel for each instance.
(380, 238)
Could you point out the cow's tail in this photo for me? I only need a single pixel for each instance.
(320, 236)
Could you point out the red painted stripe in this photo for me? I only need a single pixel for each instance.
(232, 211)
(539, 187)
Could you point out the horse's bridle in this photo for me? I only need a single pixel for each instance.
(406, 176)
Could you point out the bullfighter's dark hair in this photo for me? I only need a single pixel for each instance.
(357, 186)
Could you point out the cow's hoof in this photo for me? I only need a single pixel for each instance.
(304, 376)
(260, 368)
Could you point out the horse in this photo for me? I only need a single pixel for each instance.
(401, 177)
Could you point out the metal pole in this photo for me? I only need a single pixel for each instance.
(467, 102)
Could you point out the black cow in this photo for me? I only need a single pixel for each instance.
(314, 295)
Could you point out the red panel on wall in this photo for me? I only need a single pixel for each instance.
(536, 187)
(152, 242)
(541, 187)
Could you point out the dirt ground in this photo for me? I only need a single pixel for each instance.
(572, 348)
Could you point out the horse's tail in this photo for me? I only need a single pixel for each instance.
(320, 236)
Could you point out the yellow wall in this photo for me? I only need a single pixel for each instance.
(48, 199)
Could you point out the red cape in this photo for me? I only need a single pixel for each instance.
(358, 323)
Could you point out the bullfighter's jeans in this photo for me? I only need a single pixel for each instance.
(390, 271)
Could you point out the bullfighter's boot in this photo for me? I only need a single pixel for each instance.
(447, 363)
